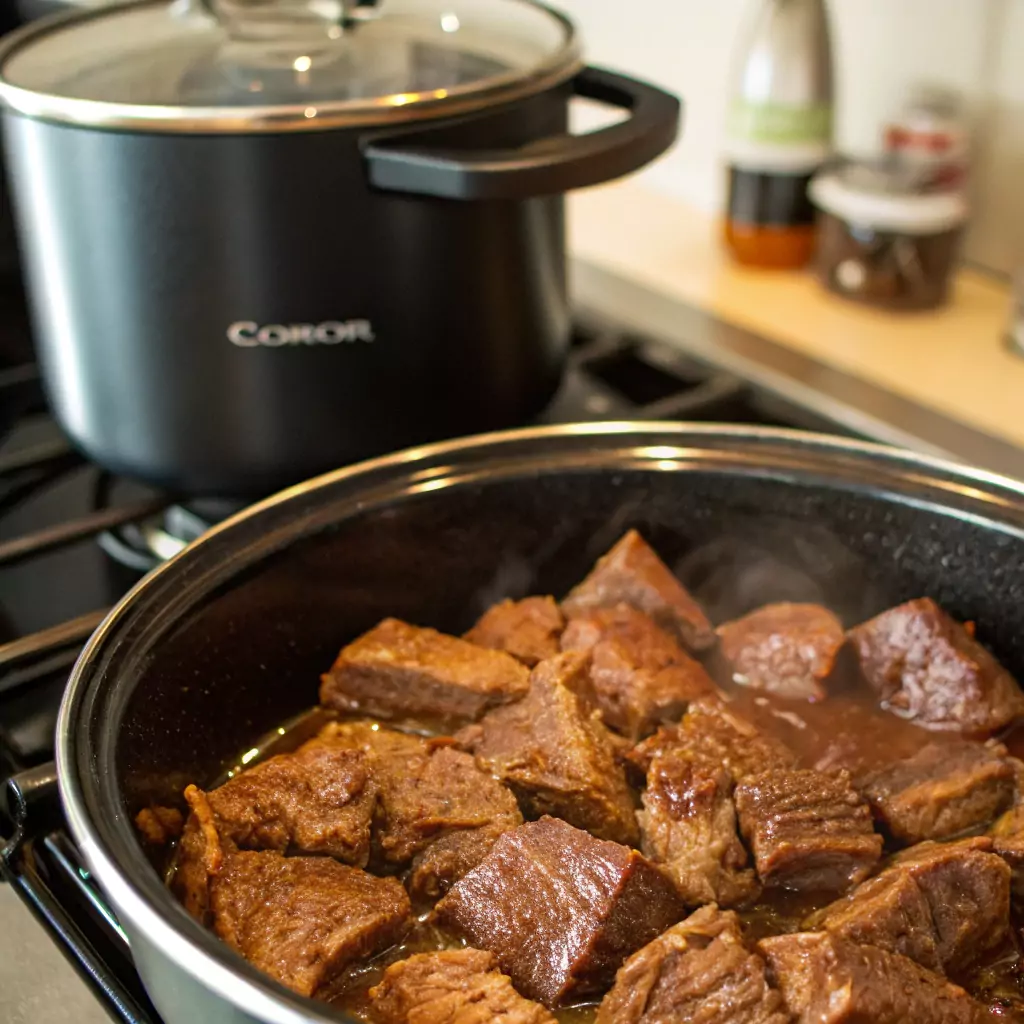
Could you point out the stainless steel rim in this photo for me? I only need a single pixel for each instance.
(230, 120)
(261, 997)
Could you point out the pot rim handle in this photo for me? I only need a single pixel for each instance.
(404, 161)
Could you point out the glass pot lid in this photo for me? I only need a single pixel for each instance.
(251, 65)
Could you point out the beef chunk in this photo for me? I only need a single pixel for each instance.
(712, 732)
(556, 757)
(786, 649)
(159, 825)
(689, 826)
(317, 801)
(890, 911)
(640, 674)
(457, 986)
(943, 789)
(303, 920)
(928, 668)
(1008, 841)
(939, 904)
(527, 629)
(437, 811)
(699, 970)
(398, 671)
(445, 815)
(808, 830)
(560, 909)
(827, 980)
(631, 573)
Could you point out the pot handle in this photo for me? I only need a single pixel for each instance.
(404, 161)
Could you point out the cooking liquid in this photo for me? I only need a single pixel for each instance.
(847, 729)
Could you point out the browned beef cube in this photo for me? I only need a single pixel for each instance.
(631, 573)
(438, 810)
(941, 904)
(827, 980)
(928, 668)
(968, 890)
(560, 909)
(689, 827)
(640, 674)
(399, 672)
(890, 911)
(527, 629)
(1008, 841)
(454, 986)
(808, 830)
(710, 731)
(944, 789)
(699, 970)
(557, 758)
(790, 650)
(303, 920)
(317, 801)
(444, 816)
(159, 825)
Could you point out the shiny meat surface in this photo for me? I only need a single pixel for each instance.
(1008, 841)
(528, 629)
(827, 980)
(808, 830)
(699, 970)
(560, 909)
(401, 672)
(437, 810)
(714, 732)
(303, 920)
(557, 758)
(459, 986)
(632, 573)
(689, 827)
(942, 905)
(787, 649)
(641, 676)
(444, 815)
(944, 789)
(927, 667)
(315, 801)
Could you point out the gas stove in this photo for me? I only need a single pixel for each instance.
(73, 538)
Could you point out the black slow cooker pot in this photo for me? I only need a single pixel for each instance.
(266, 239)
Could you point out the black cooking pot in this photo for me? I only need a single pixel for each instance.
(261, 245)
(225, 642)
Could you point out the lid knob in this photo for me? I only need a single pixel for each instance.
(280, 22)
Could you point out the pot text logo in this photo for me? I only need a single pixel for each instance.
(249, 334)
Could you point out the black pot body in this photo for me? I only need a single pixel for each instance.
(228, 314)
(227, 642)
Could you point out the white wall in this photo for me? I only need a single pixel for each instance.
(881, 47)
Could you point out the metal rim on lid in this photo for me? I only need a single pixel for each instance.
(553, 68)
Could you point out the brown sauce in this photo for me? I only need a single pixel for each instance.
(847, 729)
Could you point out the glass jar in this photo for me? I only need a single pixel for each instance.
(884, 242)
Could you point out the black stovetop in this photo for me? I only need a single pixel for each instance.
(73, 539)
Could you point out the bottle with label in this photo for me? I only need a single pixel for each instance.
(779, 134)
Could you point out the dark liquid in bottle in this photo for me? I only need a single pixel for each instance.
(769, 218)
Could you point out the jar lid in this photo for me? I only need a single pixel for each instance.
(276, 65)
(886, 199)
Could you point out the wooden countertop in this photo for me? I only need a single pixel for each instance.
(953, 361)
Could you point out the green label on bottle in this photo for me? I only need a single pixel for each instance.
(780, 123)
